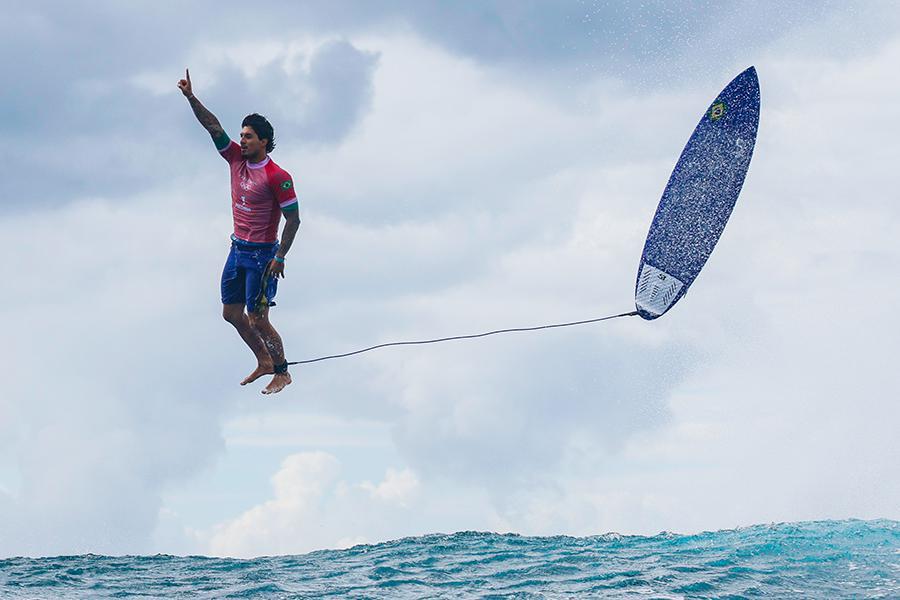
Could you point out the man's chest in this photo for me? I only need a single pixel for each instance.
(250, 187)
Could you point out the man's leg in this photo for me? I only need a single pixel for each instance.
(259, 320)
(234, 314)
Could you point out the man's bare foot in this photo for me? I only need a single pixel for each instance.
(261, 369)
(278, 383)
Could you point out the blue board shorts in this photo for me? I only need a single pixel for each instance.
(242, 277)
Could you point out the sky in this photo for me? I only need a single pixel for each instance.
(461, 167)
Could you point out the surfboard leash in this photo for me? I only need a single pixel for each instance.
(463, 337)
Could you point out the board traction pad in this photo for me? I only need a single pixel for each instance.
(656, 290)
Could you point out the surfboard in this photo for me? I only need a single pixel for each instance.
(699, 197)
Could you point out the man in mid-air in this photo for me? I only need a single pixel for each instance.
(261, 192)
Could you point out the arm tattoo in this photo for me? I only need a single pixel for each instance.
(291, 225)
(206, 118)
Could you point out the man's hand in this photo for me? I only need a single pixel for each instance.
(206, 118)
(185, 84)
(276, 268)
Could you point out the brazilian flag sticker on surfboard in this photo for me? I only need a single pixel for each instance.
(717, 110)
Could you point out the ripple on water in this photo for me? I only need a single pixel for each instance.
(833, 559)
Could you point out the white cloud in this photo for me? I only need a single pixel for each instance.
(313, 507)
(286, 428)
(398, 486)
(100, 416)
(289, 523)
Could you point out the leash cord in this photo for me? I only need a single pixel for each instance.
(462, 337)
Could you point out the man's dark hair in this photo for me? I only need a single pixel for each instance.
(262, 127)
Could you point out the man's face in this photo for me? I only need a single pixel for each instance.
(251, 145)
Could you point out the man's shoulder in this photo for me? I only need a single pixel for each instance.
(273, 167)
(231, 152)
(275, 173)
(281, 184)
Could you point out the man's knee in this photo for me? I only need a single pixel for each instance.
(258, 319)
(233, 313)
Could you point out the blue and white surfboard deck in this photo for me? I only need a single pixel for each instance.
(699, 197)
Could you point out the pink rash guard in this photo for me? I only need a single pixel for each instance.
(259, 192)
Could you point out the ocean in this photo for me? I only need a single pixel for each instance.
(818, 559)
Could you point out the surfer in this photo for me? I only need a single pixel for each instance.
(261, 192)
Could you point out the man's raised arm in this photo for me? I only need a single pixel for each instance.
(206, 118)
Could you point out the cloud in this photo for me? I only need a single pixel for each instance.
(340, 78)
(311, 507)
(299, 489)
(317, 97)
(398, 487)
(81, 95)
(475, 413)
(594, 37)
(569, 43)
(106, 418)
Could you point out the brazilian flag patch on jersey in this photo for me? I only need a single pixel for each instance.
(287, 185)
